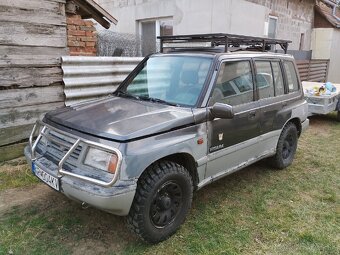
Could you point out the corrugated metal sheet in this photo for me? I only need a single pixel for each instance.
(87, 78)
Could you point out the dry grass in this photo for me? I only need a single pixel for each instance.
(16, 173)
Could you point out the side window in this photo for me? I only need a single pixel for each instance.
(292, 80)
(278, 79)
(264, 79)
(234, 84)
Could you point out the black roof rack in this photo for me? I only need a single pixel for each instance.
(227, 40)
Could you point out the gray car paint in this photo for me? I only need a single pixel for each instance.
(122, 119)
(145, 132)
(116, 199)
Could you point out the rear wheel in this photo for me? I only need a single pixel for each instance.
(286, 147)
(162, 201)
(338, 116)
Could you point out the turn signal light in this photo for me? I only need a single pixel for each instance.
(112, 164)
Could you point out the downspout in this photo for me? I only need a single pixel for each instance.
(334, 5)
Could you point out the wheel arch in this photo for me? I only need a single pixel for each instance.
(297, 122)
(186, 160)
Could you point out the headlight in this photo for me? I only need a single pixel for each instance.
(101, 160)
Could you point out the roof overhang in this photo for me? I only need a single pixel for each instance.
(326, 12)
(90, 9)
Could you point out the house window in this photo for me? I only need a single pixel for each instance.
(302, 41)
(272, 23)
(150, 29)
(148, 37)
(166, 27)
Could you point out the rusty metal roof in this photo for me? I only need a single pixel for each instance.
(327, 12)
(90, 9)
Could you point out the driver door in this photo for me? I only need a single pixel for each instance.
(232, 141)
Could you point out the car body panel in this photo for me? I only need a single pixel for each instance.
(122, 119)
(116, 200)
(145, 132)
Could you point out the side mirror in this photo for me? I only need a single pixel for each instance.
(223, 111)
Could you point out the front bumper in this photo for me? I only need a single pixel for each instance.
(116, 199)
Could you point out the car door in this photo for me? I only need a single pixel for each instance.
(270, 90)
(273, 99)
(231, 141)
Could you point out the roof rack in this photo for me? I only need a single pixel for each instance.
(227, 40)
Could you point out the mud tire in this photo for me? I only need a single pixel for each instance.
(286, 147)
(165, 189)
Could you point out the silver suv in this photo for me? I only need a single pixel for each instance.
(182, 119)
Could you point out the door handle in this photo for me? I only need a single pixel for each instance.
(252, 115)
(284, 105)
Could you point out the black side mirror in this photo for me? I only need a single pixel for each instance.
(223, 111)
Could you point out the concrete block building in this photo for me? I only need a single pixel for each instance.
(287, 19)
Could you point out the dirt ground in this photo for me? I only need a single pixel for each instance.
(98, 228)
(92, 230)
(24, 196)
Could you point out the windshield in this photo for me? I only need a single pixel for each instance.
(175, 80)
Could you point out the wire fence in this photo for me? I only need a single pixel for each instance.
(118, 44)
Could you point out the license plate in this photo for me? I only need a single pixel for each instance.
(50, 180)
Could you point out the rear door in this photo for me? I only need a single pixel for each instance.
(231, 140)
(277, 87)
(271, 93)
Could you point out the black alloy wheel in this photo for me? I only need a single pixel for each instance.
(162, 201)
(166, 204)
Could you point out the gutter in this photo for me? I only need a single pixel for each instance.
(334, 5)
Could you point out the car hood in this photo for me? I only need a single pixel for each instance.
(121, 119)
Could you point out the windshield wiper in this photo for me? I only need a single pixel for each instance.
(125, 94)
(151, 99)
(157, 100)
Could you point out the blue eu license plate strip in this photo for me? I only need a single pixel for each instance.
(33, 168)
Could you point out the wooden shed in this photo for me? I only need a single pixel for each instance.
(33, 36)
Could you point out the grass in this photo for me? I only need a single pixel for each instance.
(30, 228)
(16, 173)
(256, 211)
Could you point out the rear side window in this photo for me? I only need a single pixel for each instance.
(264, 79)
(278, 79)
(292, 80)
(234, 84)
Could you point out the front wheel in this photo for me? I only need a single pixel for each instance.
(162, 201)
(286, 147)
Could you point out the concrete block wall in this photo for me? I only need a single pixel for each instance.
(294, 18)
(233, 16)
(81, 36)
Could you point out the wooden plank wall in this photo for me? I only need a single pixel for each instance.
(313, 70)
(32, 40)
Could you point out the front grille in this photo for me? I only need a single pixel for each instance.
(58, 145)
